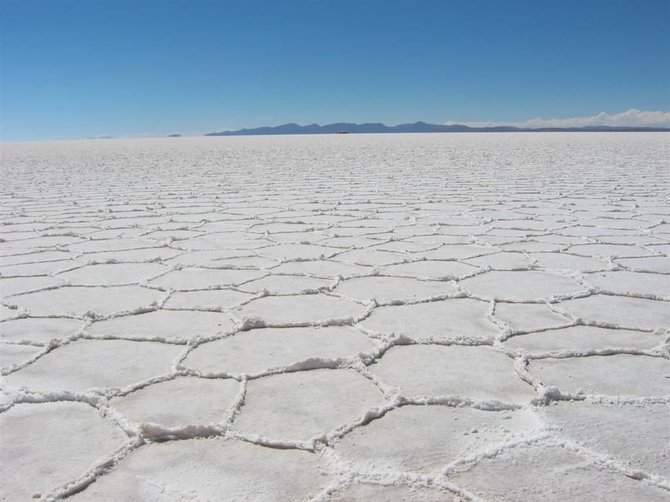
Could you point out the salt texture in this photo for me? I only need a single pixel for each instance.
(331, 318)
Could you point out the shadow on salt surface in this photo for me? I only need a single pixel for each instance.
(205, 469)
(651, 264)
(605, 375)
(636, 436)
(79, 301)
(611, 250)
(296, 251)
(179, 402)
(549, 472)
(115, 274)
(246, 262)
(214, 299)
(524, 317)
(51, 444)
(369, 257)
(207, 258)
(10, 313)
(576, 339)
(620, 311)
(501, 261)
(385, 289)
(529, 246)
(40, 268)
(190, 279)
(326, 269)
(12, 354)
(426, 438)
(295, 310)
(345, 243)
(456, 252)
(477, 373)
(303, 405)
(362, 491)
(563, 261)
(521, 285)
(286, 285)
(650, 285)
(35, 257)
(427, 269)
(456, 318)
(145, 255)
(114, 244)
(163, 325)
(100, 364)
(43, 242)
(38, 330)
(257, 351)
(17, 285)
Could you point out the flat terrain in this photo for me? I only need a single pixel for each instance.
(336, 318)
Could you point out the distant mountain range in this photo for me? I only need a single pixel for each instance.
(377, 127)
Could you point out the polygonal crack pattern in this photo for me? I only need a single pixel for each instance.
(207, 469)
(388, 318)
(52, 444)
(302, 405)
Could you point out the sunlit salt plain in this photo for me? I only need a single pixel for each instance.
(374, 317)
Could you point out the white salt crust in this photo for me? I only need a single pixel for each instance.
(373, 317)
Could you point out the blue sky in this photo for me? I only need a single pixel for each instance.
(73, 69)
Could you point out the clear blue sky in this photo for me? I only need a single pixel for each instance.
(82, 68)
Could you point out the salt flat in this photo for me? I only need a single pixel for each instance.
(331, 318)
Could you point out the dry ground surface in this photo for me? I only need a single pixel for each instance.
(376, 317)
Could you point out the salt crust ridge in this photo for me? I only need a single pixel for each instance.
(529, 218)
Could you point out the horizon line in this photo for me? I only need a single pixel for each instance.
(631, 118)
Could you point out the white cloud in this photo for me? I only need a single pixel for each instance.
(632, 117)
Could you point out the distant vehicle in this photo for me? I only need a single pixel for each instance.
(342, 132)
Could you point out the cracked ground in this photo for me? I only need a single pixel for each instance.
(332, 318)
